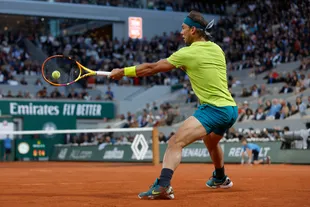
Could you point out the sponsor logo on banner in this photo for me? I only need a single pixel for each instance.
(139, 153)
(80, 154)
(237, 152)
(114, 154)
(196, 152)
(33, 109)
(36, 109)
(148, 155)
(62, 154)
(82, 110)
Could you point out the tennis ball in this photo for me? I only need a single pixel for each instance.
(56, 74)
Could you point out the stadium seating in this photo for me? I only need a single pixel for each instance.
(254, 47)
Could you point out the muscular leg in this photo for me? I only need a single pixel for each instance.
(190, 131)
(212, 143)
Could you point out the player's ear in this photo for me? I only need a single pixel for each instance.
(193, 30)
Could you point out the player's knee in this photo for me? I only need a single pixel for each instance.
(175, 141)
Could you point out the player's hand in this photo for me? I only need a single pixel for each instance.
(117, 74)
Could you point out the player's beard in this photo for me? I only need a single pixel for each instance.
(188, 41)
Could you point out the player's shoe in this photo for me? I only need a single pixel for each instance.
(213, 182)
(157, 192)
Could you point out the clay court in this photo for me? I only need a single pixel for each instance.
(102, 184)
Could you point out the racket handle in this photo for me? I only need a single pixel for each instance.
(103, 73)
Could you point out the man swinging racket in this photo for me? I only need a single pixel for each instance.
(204, 63)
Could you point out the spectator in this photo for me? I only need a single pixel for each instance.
(2, 78)
(155, 108)
(23, 81)
(299, 87)
(20, 94)
(300, 106)
(245, 93)
(109, 94)
(284, 112)
(259, 115)
(247, 116)
(285, 145)
(255, 91)
(42, 93)
(286, 89)
(7, 148)
(72, 94)
(274, 110)
(55, 93)
(9, 94)
(267, 106)
(308, 104)
(162, 137)
(264, 91)
(38, 82)
(306, 81)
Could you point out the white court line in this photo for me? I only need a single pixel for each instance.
(79, 183)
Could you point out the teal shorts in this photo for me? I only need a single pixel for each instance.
(216, 119)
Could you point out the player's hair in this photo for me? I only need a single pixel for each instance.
(197, 17)
(243, 139)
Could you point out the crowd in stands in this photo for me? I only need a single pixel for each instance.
(56, 94)
(262, 34)
(258, 35)
(151, 116)
(273, 109)
(294, 83)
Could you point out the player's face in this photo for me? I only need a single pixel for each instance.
(186, 34)
(244, 143)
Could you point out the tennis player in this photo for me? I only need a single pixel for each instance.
(253, 153)
(204, 63)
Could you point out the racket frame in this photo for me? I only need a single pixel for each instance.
(80, 66)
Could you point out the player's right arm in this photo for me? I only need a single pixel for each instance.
(250, 154)
(242, 154)
(176, 60)
(242, 157)
(148, 69)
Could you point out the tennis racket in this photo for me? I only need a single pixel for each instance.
(60, 70)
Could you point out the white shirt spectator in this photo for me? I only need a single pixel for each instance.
(1, 77)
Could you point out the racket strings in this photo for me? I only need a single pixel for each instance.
(68, 69)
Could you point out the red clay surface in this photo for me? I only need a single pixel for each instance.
(101, 184)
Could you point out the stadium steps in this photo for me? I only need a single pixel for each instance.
(121, 92)
(285, 67)
(148, 96)
(136, 93)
